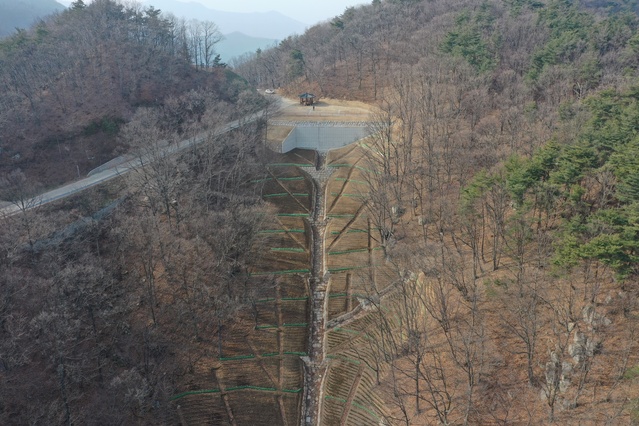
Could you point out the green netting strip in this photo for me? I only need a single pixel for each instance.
(332, 253)
(283, 299)
(365, 145)
(354, 404)
(304, 271)
(293, 215)
(301, 324)
(335, 398)
(236, 358)
(288, 249)
(285, 194)
(290, 353)
(351, 180)
(244, 387)
(350, 231)
(279, 178)
(347, 268)
(281, 231)
(266, 355)
(350, 360)
(231, 389)
(335, 295)
(290, 271)
(353, 332)
(335, 194)
(335, 253)
(365, 409)
(347, 330)
(343, 358)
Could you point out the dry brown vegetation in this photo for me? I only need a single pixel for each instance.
(69, 83)
(511, 306)
(480, 245)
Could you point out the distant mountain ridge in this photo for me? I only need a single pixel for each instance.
(23, 13)
(236, 43)
(269, 25)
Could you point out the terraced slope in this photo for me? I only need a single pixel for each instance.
(300, 356)
(357, 273)
(256, 376)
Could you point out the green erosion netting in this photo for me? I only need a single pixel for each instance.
(262, 327)
(289, 271)
(353, 404)
(351, 180)
(232, 389)
(338, 295)
(285, 194)
(333, 253)
(290, 165)
(266, 355)
(288, 249)
(350, 231)
(335, 194)
(281, 231)
(283, 299)
(263, 350)
(278, 178)
(347, 268)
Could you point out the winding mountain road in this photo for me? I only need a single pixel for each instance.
(125, 166)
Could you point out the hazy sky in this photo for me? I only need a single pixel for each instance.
(306, 11)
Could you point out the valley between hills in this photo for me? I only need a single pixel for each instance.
(459, 248)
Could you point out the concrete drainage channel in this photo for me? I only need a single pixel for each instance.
(325, 363)
(322, 137)
(315, 363)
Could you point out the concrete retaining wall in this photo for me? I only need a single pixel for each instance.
(323, 138)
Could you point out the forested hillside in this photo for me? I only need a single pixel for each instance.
(109, 298)
(72, 80)
(505, 194)
(474, 261)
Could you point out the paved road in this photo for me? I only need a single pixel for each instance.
(126, 166)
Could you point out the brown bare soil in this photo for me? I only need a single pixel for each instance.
(276, 134)
(327, 109)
